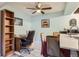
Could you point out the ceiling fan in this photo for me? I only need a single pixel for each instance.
(38, 8)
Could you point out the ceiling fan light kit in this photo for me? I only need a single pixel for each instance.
(38, 11)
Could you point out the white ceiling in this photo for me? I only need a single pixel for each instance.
(2, 4)
(56, 6)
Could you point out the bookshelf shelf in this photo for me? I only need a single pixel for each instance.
(9, 25)
(8, 45)
(9, 33)
(9, 39)
(9, 18)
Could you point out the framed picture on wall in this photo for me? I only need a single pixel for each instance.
(18, 21)
(45, 23)
(73, 22)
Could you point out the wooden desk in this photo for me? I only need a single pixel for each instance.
(17, 42)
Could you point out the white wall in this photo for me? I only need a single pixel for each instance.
(36, 24)
(67, 18)
(56, 24)
(21, 14)
(36, 20)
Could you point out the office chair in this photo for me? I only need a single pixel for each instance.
(52, 47)
(27, 41)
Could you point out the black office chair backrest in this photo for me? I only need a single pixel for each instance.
(30, 35)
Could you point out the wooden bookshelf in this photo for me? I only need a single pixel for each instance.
(7, 28)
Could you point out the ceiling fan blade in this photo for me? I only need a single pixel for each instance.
(34, 12)
(46, 8)
(42, 12)
(32, 8)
